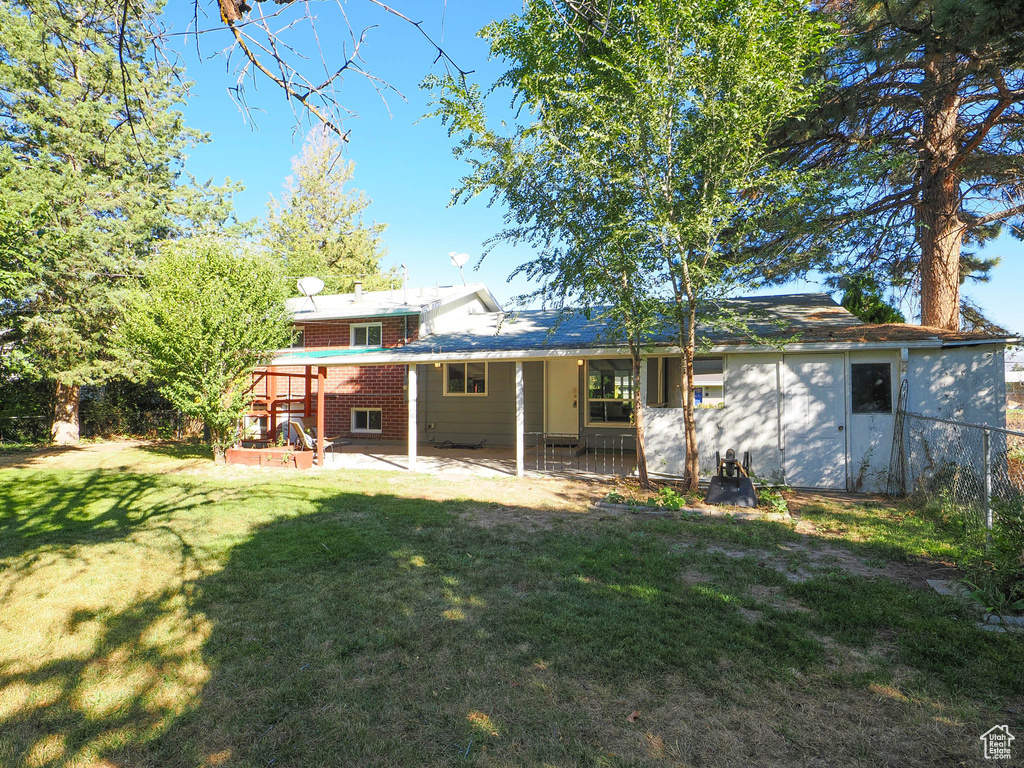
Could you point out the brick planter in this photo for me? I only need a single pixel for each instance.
(270, 457)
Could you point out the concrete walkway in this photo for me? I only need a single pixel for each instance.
(483, 462)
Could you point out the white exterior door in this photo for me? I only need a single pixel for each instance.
(561, 397)
(814, 388)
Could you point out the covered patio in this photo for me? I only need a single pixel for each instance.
(516, 434)
(495, 461)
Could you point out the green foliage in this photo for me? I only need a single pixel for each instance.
(863, 297)
(89, 176)
(771, 497)
(317, 228)
(918, 126)
(641, 156)
(993, 561)
(669, 498)
(207, 312)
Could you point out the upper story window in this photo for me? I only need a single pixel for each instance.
(298, 337)
(366, 335)
(465, 378)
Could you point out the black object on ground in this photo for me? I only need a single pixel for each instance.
(732, 486)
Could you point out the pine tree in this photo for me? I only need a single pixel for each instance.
(922, 129)
(90, 133)
(318, 229)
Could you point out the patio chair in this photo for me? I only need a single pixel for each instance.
(305, 440)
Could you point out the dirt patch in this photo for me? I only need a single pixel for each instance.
(496, 515)
(693, 576)
(751, 615)
(798, 499)
(773, 597)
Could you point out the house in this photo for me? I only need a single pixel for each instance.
(813, 400)
(1015, 378)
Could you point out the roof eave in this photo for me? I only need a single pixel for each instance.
(396, 355)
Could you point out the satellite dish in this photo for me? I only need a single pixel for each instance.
(459, 261)
(310, 286)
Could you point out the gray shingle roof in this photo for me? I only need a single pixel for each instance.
(769, 316)
(797, 318)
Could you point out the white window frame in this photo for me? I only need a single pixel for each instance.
(487, 381)
(605, 424)
(298, 329)
(358, 431)
(352, 335)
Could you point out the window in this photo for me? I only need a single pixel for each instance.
(609, 391)
(465, 378)
(872, 387)
(298, 337)
(366, 335)
(366, 420)
(656, 377)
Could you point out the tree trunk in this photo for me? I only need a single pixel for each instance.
(940, 230)
(65, 430)
(638, 423)
(692, 472)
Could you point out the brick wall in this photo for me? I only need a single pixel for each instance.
(336, 333)
(376, 386)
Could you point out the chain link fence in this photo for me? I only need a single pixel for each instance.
(24, 429)
(976, 466)
(108, 423)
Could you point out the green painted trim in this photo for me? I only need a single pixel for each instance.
(296, 358)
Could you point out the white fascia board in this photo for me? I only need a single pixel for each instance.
(398, 357)
(980, 343)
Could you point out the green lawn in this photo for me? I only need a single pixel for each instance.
(156, 610)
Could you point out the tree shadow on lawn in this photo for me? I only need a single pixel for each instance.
(184, 450)
(48, 510)
(383, 631)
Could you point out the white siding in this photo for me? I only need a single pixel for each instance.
(748, 422)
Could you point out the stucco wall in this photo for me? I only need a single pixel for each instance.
(450, 315)
(749, 421)
(964, 384)
(959, 383)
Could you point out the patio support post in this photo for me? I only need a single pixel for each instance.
(520, 422)
(411, 394)
(321, 433)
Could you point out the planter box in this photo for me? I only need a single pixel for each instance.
(270, 457)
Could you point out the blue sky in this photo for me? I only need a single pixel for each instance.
(403, 162)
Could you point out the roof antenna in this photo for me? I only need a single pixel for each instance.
(310, 287)
(405, 284)
(459, 260)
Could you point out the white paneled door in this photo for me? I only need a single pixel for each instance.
(814, 394)
(561, 398)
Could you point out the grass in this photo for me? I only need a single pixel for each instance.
(158, 611)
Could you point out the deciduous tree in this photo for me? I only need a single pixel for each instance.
(644, 158)
(207, 313)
